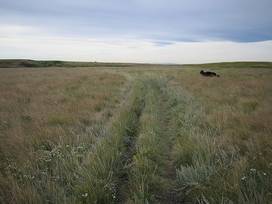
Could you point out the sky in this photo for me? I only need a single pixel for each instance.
(152, 31)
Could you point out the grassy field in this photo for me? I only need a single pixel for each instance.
(136, 134)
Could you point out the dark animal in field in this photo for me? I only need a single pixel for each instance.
(209, 74)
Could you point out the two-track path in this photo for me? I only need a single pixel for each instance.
(148, 172)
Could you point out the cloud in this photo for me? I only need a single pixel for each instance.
(161, 31)
(133, 50)
(162, 43)
(161, 20)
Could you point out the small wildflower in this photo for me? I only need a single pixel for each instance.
(253, 170)
(47, 160)
(84, 195)
(264, 173)
(243, 178)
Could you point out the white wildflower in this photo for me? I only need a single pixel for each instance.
(253, 170)
(84, 195)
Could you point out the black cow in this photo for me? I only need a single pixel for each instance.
(209, 74)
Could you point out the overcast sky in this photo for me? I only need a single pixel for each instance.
(159, 31)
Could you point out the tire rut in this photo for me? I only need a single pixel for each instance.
(168, 193)
(127, 155)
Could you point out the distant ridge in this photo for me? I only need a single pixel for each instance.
(233, 65)
(26, 63)
(16, 63)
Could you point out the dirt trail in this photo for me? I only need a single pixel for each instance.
(169, 194)
(157, 107)
(127, 155)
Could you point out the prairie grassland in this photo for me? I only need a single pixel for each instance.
(141, 134)
(49, 119)
(225, 155)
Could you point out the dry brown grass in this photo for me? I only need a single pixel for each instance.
(50, 120)
(53, 105)
(237, 109)
(237, 103)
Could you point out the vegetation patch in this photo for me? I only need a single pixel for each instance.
(147, 134)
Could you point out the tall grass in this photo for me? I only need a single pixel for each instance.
(148, 173)
(68, 136)
(84, 173)
(219, 159)
(102, 167)
(48, 126)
